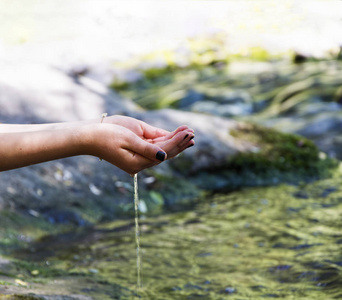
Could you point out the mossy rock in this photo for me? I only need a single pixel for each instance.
(274, 150)
(277, 156)
(271, 157)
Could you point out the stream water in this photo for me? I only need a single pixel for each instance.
(137, 230)
(278, 242)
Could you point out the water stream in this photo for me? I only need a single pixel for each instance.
(137, 231)
(279, 242)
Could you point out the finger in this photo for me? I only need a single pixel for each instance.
(178, 143)
(131, 161)
(150, 151)
(189, 136)
(138, 163)
(151, 132)
(181, 129)
(191, 143)
(172, 134)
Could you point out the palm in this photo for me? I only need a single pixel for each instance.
(171, 142)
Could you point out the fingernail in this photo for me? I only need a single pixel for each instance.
(185, 137)
(190, 145)
(191, 138)
(160, 155)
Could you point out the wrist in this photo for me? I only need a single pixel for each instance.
(89, 137)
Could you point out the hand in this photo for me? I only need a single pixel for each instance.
(123, 148)
(172, 143)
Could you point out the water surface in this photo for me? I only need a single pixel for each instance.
(278, 242)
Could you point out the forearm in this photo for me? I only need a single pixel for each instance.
(114, 119)
(21, 149)
(140, 128)
(11, 128)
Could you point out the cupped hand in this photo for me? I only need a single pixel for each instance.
(172, 143)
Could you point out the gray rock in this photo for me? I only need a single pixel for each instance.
(191, 97)
(223, 102)
(6, 265)
(320, 125)
(64, 216)
(314, 108)
(36, 93)
(223, 110)
(229, 96)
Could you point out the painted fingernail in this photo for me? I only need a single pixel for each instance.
(160, 155)
(185, 137)
(191, 138)
(190, 145)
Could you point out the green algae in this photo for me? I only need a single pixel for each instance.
(277, 151)
(272, 157)
(16, 229)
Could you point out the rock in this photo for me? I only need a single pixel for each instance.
(322, 127)
(313, 108)
(229, 96)
(230, 290)
(229, 154)
(82, 189)
(6, 266)
(191, 97)
(32, 93)
(224, 103)
(208, 107)
(65, 216)
(321, 124)
(223, 110)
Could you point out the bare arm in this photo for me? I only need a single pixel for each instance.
(130, 149)
(19, 149)
(7, 128)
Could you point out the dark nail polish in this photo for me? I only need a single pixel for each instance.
(191, 138)
(160, 155)
(185, 137)
(190, 145)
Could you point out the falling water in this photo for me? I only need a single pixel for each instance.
(137, 231)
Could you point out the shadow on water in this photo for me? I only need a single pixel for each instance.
(278, 242)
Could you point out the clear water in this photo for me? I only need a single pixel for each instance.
(280, 242)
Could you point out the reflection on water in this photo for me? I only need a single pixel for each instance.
(278, 242)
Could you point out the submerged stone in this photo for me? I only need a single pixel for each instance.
(230, 290)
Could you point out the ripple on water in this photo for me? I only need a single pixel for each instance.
(194, 255)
